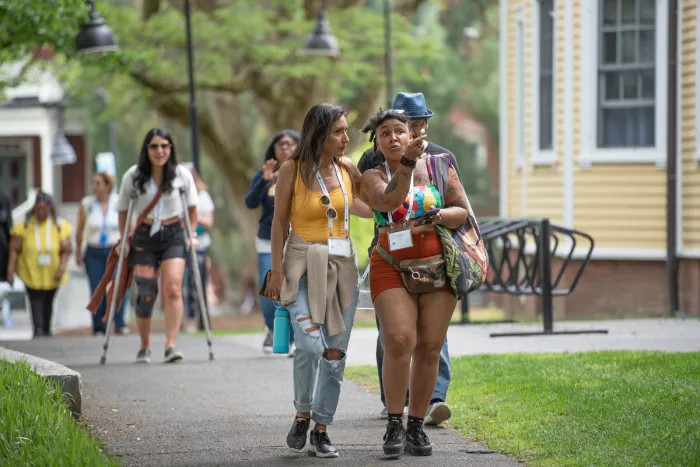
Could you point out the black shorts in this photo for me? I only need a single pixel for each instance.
(168, 243)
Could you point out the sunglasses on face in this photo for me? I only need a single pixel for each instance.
(155, 146)
(285, 145)
(331, 213)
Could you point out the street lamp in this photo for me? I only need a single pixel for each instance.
(387, 53)
(95, 36)
(321, 41)
(193, 97)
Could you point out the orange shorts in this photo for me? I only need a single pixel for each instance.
(383, 276)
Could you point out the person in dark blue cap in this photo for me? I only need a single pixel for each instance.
(418, 113)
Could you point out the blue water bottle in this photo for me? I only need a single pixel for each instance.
(280, 336)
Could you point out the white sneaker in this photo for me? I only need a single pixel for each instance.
(267, 345)
(291, 350)
(438, 413)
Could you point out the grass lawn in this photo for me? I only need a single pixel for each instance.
(587, 409)
(36, 427)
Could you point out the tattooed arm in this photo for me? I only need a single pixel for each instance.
(456, 205)
(383, 196)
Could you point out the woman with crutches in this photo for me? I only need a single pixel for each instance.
(159, 244)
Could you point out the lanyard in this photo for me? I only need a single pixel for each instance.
(38, 237)
(105, 215)
(345, 197)
(410, 200)
(157, 208)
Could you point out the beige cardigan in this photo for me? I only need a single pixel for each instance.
(332, 281)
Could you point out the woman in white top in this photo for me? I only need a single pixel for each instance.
(205, 222)
(159, 245)
(98, 225)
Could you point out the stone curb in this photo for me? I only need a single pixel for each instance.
(69, 380)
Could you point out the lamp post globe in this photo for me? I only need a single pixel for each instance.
(321, 41)
(95, 36)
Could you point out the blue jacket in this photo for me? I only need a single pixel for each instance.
(262, 193)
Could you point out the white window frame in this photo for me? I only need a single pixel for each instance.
(539, 157)
(519, 87)
(590, 152)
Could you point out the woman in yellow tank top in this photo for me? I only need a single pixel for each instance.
(317, 279)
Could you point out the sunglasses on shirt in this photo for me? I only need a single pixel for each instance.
(331, 213)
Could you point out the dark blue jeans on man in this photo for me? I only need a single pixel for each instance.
(95, 260)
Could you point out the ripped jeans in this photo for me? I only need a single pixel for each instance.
(309, 360)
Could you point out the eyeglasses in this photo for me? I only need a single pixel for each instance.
(331, 213)
(155, 146)
(285, 145)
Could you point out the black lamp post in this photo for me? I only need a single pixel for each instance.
(193, 96)
(95, 36)
(387, 53)
(321, 41)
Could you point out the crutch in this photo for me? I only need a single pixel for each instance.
(195, 270)
(117, 277)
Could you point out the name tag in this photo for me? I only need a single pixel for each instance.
(339, 247)
(44, 260)
(400, 240)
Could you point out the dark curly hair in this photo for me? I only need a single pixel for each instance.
(380, 117)
(46, 198)
(143, 174)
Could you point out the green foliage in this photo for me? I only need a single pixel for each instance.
(26, 25)
(36, 427)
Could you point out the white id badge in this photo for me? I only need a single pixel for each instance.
(400, 240)
(44, 260)
(155, 228)
(339, 247)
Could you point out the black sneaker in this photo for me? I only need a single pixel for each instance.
(144, 356)
(296, 438)
(394, 439)
(321, 445)
(173, 355)
(417, 442)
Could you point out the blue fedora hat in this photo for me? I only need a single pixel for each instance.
(413, 104)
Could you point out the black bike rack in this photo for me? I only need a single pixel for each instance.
(531, 274)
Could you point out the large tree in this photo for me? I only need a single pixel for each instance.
(26, 27)
(248, 64)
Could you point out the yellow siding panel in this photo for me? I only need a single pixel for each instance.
(577, 79)
(690, 177)
(621, 206)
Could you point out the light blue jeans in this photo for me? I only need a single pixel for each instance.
(322, 401)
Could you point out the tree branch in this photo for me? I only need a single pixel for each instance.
(235, 85)
(149, 8)
(368, 105)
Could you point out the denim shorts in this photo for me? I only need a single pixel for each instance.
(168, 243)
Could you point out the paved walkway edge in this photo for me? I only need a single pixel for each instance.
(70, 381)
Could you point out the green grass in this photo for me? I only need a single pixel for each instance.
(36, 427)
(587, 409)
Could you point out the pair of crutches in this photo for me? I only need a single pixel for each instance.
(195, 270)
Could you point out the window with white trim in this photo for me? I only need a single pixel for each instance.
(546, 75)
(627, 69)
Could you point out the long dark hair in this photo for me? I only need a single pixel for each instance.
(380, 117)
(46, 198)
(270, 153)
(143, 174)
(318, 124)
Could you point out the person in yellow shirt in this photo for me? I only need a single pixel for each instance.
(39, 251)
